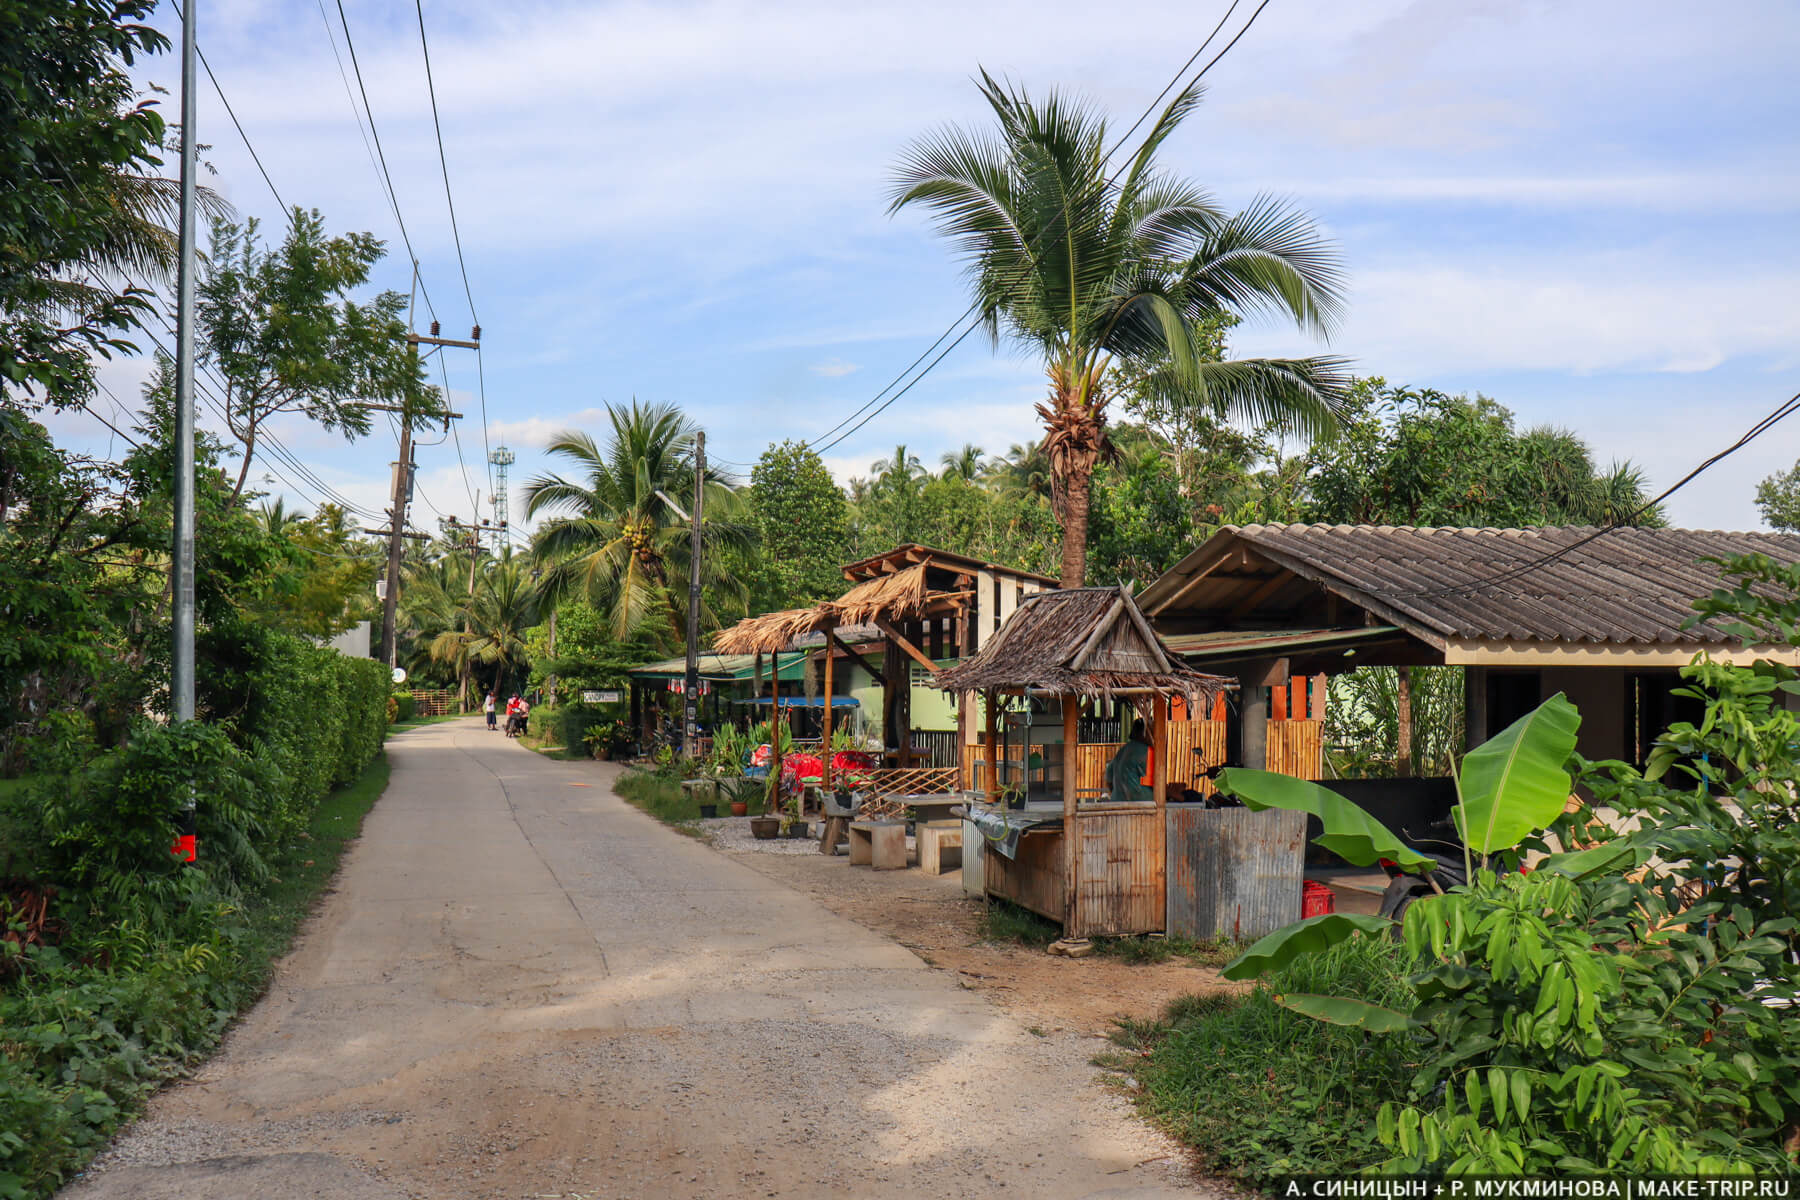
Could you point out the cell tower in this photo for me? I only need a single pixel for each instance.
(502, 459)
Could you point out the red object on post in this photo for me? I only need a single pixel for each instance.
(1316, 900)
(183, 849)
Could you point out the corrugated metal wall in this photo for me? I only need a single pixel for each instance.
(1232, 872)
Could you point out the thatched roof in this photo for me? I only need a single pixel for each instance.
(1083, 642)
(897, 597)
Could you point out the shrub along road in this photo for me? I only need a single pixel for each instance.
(522, 986)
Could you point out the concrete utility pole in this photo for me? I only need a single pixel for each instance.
(396, 530)
(691, 729)
(181, 568)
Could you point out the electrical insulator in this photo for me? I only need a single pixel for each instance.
(475, 334)
(434, 329)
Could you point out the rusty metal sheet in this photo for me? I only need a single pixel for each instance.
(1232, 872)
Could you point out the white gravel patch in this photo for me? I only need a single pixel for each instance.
(733, 833)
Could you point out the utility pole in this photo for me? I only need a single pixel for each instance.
(403, 480)
(691, 730)
(181, 568)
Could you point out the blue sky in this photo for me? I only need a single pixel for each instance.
(1590, 213)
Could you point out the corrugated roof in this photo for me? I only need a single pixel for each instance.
(721, 667)
(1232, 643)
(1626, 586)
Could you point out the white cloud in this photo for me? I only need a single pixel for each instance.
(834, 368)
(536, 432)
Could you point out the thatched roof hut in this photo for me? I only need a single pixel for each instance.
(902, 596)
(1091, 642)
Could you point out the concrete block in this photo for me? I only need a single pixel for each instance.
(940, 846)
(887, 845)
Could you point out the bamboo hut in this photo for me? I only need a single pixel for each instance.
(1096, 864)
(924, 605)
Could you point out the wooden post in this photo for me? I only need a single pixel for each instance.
(1159, 791)
(1071, 834)
(825, 755)
(991, 706)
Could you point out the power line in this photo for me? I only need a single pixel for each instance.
(381, 156)
(974, 306)
(230, 112)
(1780, 413)
(443, 162)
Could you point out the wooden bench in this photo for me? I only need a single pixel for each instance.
(878, 844)
(940, 846)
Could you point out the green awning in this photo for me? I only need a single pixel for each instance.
(723, 668)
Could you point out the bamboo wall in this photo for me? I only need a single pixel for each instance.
(1294, 748)
(1121, 872)
(1034, 879)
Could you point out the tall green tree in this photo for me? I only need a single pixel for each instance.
(1778, 498)
(1412, 456)
(283, 331)
(496, 617)
(71, 128)
(1093, 271)
(613, 541)
(802, 524)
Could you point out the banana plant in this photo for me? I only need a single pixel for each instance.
(1509, 787)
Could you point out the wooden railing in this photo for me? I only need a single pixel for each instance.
(886, 789)
(434, 702)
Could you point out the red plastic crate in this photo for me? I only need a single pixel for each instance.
(1316, 900)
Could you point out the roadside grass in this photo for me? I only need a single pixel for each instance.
(1004, 921)
(664, 799)
(1260, 1090)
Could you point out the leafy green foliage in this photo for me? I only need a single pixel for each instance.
(802, 523)
(1586, 1027)
(1411, 456)
(1514, 783)
(1778, 498)
(1362, 722)
(71, 135)
(1292, 942)
(1349, 832)
(326, 355)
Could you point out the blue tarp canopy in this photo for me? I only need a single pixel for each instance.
(805, 702)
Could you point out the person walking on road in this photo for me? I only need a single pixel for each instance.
(488, 706)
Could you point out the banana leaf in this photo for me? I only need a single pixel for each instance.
(1350, 833)
(1514, 783)
(1289, 942)
(1342, 1010)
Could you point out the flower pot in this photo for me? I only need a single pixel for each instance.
(708, 811)
(765, 828)
(740, 807)
(797, 831)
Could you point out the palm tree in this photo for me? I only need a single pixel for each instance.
(901, 472)
(1093, 271)
(1025, 470)
(618, 545)
(967, 464)
(495, 616)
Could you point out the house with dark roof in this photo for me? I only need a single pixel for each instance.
(1601, 615)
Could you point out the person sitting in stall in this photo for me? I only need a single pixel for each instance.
(1128, 775)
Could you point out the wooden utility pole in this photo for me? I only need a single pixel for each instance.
(403, 482)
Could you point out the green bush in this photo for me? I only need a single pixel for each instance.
(571, 722)
(405, 706)
(1262, 1090)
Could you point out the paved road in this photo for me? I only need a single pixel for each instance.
(525, 988)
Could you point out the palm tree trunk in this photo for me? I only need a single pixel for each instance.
(1077, 493)
(1403, 720)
